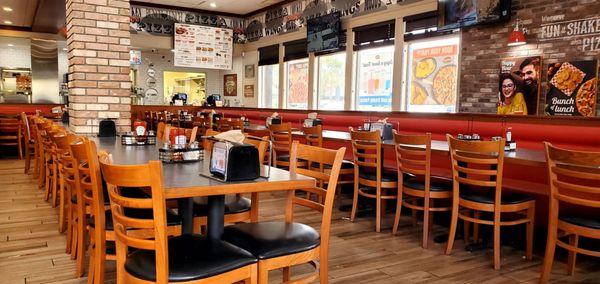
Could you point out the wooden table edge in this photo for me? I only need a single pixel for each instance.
(235, 188)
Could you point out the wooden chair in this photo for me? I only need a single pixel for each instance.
(230, 124)
(314, 137)
(29, 143)
(282, 244)
(81, 205)
(370, 178)
(65, 167)
(238, 209)
(574, 178)
(54, 154)
(10, 134)
(477, 168)
(187, 258)
(415, 183)
(281, 138)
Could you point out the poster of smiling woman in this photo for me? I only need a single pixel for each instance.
(519, 86)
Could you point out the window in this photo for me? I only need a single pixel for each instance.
(331, 81)
(268, 86)
(432, 75)
(296, 89)
(374, 78)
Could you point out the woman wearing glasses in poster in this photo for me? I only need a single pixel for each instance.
(511, 99)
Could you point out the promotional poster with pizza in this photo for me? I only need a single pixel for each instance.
(433, 76)
(524, 80)
(572, 88)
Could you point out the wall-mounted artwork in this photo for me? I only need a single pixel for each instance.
(230, 85)
(249, 71)
(519, 85)
(249, 91)
(572, 88)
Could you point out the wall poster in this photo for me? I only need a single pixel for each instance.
(230, 85)
(519, 85)
(572, 88)
(297, 84)
(433, 75)
(248, 91)
(203, 47)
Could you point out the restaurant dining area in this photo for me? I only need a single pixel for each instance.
(299, 141)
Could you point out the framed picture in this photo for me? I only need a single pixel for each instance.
(249, 71)
(519, 85)
(230, 85)
(249, 91)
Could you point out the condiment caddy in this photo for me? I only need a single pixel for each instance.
(179, 153)
(131, 138)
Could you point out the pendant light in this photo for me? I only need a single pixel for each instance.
(516, 36)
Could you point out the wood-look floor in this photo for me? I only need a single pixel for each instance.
(33, 251)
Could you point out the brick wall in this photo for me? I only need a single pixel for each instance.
(98, 43)
(484, 47)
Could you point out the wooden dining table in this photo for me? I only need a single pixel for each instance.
(521, 156)
(183, 181)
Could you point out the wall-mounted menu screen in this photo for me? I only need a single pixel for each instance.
(203, 47)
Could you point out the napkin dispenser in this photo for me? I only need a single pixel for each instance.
(385, 129)
(234, 162)
(310, 122)
(273, 120)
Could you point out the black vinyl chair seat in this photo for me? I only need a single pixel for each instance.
(272, 239)
(238, 206)
(486, 195)
(435, 184)
(386, 176)
(582, 221)
(191, 257)
(346, 165)
(172, 218)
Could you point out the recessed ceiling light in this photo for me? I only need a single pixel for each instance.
(10, 44)
(65, 49)
(213, 5)
(8, 22)
(7, 9)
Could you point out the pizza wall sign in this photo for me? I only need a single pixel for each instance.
(573, 88)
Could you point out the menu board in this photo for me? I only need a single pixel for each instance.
(433, 75)
(572, 88)
(203, 47)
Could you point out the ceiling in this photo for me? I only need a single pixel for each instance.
(22, 13)
(240, 7)
(46, 16)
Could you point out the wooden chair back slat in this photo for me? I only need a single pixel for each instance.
(313, 135)
(574, 177)
(478, 163)
(366, 149)
(281, 137)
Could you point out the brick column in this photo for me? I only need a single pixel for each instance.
(99, 82)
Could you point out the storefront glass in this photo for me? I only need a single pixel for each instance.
(268, 86)
(331, 81)
(374, 79)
